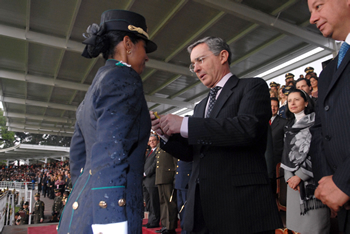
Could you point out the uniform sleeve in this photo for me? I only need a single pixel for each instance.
(118, 109)
(77, 154)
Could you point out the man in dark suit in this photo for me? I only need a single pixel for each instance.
(305, 85)
(277, 135)
(149, 177)
(331, 135)
(229, 188)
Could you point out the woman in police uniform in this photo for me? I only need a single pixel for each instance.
(111, 131)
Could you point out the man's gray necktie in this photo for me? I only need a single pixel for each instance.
(212, 99)
(343, 49)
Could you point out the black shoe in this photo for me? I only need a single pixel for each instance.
(166, 231)
(161, 230)
(151, 226)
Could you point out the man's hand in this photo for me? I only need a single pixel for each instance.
(171, 124)
(155, 124)
(330, 194)
(41, 220)
(294, 182)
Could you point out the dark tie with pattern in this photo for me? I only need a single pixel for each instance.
(212, 99)
(343, 49)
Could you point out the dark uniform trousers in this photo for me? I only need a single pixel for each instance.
(183, 173)
(165, 173)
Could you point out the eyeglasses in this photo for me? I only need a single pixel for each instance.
(197, 61)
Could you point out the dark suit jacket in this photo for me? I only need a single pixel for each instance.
(227, 150)
(107, 153)
(277, 130)
(150, 169)
(330, 149)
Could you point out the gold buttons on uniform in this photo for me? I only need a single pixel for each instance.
(177, 173)
(81, 170)
(177, 166)
(75, 205)
(102, 204)
(121, 202)
(178, 160)
(169, 169)
(157, 161)
(188, 174)
(157, 166)
(90, 172)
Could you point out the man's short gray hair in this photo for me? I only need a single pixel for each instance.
(215, 44)
(154, 135)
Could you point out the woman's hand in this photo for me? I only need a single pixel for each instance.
(294, 182)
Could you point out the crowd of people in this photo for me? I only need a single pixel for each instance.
(51, 180)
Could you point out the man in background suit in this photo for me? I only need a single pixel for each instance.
(151, 189)
(331, 136)
(229, 188)
(277, 124)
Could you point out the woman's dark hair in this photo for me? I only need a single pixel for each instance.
(315, 77)
(310, 106)
(106, 43)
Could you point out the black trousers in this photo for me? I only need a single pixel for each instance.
(154, 206)
(199, 222)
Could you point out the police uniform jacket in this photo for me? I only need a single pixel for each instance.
(229, 168)
(57, 205)
(183, 173)
(107, 153)
(38, 212)
(166, 167)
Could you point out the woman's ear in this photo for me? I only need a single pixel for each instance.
(127, 44)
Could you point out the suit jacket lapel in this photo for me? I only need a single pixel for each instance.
(226, 92)
(338, 71)
(200, 109)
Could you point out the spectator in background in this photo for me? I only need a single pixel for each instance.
(277, 124)
(282, 109)
(314, 85)
(52, 187)
(289, 79)
(305, 213)
(60, 184)
(309, 71)
(182, 177)
(274, 86)
(151, 194)
(273, 93)
(281, 97)
(305, 85)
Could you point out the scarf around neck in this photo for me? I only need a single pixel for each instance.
(297, 140)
